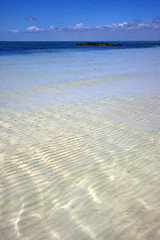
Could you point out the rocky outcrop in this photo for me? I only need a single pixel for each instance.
(98, 44)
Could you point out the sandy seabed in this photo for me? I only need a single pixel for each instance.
(83, 170)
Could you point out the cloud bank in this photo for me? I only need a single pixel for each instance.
(112, 27)
(123, 30)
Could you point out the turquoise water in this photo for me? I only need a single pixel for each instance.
(95, 72)
(79, 149)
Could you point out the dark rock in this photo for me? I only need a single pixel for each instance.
(98, 44)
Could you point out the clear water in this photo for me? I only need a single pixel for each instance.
(79, 150)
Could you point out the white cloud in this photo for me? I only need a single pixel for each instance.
(33, 29)
(78, 26)
(52, 28)
(124, 26)
(15, 31)
(98, 27)
(143, 25)
(129, 26)
(111, 26)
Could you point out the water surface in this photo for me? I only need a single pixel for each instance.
(79, 150)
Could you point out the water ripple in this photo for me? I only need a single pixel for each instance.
(87, 170)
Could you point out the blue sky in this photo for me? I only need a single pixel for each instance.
(79, 20)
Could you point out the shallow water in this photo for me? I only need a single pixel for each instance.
(79, 151)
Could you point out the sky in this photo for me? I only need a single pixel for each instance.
(73, 20)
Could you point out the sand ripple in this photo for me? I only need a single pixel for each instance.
(86, 170)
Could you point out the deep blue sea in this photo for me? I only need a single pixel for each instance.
(49, 46)
(79, 141)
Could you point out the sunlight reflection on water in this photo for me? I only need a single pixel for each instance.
(80, 158)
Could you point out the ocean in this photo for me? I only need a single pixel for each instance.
(80, 140)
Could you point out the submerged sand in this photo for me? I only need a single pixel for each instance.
(81, 170)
